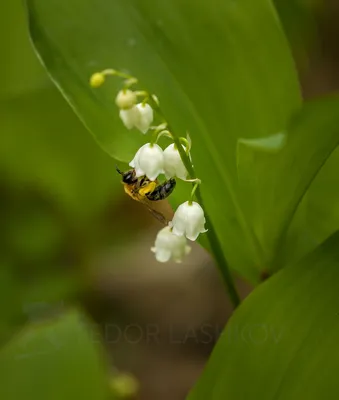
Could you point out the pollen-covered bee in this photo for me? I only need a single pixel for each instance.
(146, 191)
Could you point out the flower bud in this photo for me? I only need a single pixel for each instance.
(173, 165)
(126, 99)
(97, 79)
(189, 220)
(169, 246)
(149, 161)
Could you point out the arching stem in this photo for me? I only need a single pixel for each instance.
(211, 234)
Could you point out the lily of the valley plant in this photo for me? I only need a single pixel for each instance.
(137, 109)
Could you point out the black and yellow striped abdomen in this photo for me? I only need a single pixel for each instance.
(162, 191)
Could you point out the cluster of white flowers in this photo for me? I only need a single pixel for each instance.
(151, 161)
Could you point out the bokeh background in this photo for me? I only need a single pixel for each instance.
(72, 240)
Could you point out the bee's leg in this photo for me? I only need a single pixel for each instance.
(147, 189)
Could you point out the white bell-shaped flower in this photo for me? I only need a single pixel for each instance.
(173, 165)
(169, 246)
(149, 161)
(126, 99)
(130, 117)
(145, 119)
(189, 220)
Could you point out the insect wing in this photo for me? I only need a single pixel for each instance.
(157, 214)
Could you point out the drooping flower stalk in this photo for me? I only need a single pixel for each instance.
(175, 161)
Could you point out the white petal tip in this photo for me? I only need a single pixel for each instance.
(139, 172)
(192, 238)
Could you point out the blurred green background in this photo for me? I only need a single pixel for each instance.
(59, 196)
(72, 242)
(56, 184)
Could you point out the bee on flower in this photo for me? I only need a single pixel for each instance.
(150, 161)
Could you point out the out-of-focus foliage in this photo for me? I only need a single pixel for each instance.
(276, 175)
(299, 21)
(59, 359)
(44, 147)
(19, 70)
(56, 186)
(318, 214)
(287, 350)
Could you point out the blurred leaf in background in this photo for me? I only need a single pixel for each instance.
(318, 214)
(276, 175)
(299, 21)
(57, 360)
(56, 185)
(20, 71)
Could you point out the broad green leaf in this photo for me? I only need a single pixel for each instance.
(322, 201)
(318, 215)
(60, 359)
(276, 181)
(281, 343)
(221, 69)
(268, 144)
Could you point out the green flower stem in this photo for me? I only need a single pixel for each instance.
(114, 72)
(211, 234)
(162, 133)
(195, 187)
(184, 141)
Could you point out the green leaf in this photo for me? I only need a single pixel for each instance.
(276, 181)
(54, 360)
(318, 214)
(282, 338)
(222, 70)
(269, 144)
